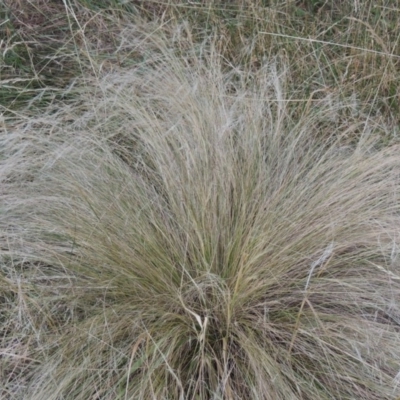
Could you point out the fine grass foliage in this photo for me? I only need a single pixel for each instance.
(178, 232)
(346, 48)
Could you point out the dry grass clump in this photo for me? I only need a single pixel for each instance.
(176, 234)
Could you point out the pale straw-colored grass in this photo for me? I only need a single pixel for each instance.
(175, 234)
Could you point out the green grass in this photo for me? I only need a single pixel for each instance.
(203, 204)
(345, 48)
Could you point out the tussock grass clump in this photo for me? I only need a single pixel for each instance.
(177, 235)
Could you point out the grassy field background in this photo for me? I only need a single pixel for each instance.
(199, 199)
(348, 49)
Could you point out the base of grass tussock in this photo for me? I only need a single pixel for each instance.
(177, 232)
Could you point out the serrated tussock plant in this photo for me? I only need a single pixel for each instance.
(175, 234)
